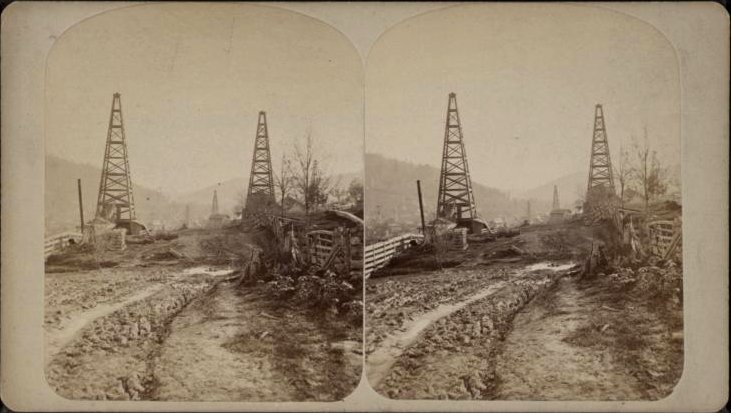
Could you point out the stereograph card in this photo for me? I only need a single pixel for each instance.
(364, 206)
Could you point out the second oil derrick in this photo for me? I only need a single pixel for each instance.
(261, 182)
(115, 202)
(455, 200)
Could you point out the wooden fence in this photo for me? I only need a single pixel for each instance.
(58, 242)
(340, 249)
(664, 237)
(377, 255)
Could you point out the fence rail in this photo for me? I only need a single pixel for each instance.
(58, 242)
(663, 236)
(339, 249)
(379, 254)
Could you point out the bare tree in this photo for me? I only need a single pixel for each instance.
(623, 174)
(320, 186)
(283, 181)
(355, 193)
(648, 173)
(309, 179)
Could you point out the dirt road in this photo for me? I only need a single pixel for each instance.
(169, 321)
(233, 344)
(589, 341)
(495, 330)
(537, 362)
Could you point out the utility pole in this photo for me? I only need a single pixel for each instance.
(421, 207)
(81, 206)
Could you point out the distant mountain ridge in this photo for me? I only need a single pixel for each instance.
(62, 205)
(570, 189)
(390, 191)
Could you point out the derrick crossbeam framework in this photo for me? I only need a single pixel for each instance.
(261, 181)
(601, 178)
(455, 199)
(115, 200)
(600, 167)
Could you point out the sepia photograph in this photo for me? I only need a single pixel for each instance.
(203, 207)
(364, 206)
(523, 207)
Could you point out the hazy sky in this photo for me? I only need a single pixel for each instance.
(527, 78)
(193, 78)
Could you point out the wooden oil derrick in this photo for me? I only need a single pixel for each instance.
(261, 182)
(116, 201)
(455, 199)
(601, 180)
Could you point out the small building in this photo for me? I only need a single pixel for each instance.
(559, 215)
(474, 225)
(218, 220)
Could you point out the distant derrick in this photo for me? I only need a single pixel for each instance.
(217, 219)
(214, 203)
(601, 180)
(115, 201)
(455, 199)
(557, 214)
(261, 182)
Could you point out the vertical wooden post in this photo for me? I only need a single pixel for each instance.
(348, 252)
(421, 207)
(81, 206)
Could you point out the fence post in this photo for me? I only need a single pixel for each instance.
(346, 250)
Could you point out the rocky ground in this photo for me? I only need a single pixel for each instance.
(169, 320)
(515, 319)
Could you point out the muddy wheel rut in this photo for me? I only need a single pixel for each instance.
(69, 329)
(106, 352)
(424, 355)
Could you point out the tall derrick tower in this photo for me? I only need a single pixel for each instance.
(261, 182)
(455, 199)
(115, 201)
(601, 179)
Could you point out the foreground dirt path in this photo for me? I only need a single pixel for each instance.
(446, 353)
(389, 349)
(234, 345)
(537, 362)
(588, 340)
(68, 328)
